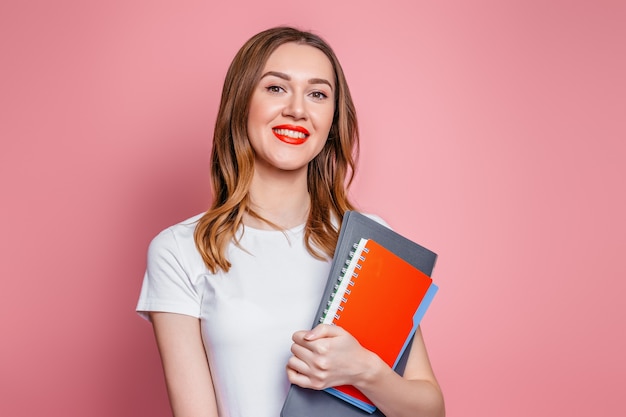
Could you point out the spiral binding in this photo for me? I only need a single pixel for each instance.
(342, 288)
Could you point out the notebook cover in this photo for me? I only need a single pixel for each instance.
(302, 402)
(382, 310)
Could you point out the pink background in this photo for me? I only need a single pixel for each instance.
(493, 132)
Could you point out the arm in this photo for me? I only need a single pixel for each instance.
(185, 365)
(329, 356)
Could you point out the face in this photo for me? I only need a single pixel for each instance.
(291, 109)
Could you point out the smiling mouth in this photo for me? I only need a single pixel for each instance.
(291, 135)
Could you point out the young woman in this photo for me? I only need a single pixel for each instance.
(231, 293)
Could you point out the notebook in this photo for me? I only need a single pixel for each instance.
(302, 402)
(379, 298)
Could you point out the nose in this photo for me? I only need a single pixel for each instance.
(295, 107)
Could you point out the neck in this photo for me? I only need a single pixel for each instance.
(281, 198)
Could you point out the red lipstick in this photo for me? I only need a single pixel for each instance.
(293, 135)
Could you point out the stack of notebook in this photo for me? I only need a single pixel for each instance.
(378, 290)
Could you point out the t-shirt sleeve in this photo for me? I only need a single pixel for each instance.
(167, 285)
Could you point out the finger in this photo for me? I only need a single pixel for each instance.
(299, 335)
(298, 365)
(298, 378)
(302, 352)
(300, 374)
(311, 344)
(321, 331)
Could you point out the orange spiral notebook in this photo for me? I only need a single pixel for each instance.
(379, 299)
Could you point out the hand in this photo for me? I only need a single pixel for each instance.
(327, 356)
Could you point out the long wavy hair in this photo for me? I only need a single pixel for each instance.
(329, 174)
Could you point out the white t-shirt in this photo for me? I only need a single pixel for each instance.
(247, 315)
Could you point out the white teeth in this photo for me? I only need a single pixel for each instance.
(290, 133)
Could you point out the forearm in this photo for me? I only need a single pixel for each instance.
(396, 396)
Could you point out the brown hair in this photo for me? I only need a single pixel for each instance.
(232, 158)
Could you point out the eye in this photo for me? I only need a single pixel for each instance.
(318, 95)
(274, 89)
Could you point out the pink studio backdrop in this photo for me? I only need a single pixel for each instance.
(493, 132)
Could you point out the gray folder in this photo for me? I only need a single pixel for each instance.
(303, 402)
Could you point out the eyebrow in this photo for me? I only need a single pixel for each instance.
(286, 77)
